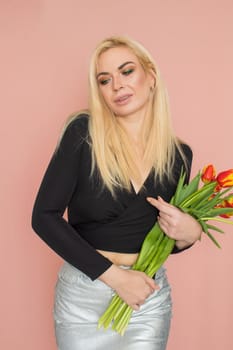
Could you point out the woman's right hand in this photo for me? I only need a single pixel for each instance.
(132, 286)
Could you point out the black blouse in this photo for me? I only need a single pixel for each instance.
(96, 220)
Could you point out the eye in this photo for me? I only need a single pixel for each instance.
(103, 81)
(128, 71)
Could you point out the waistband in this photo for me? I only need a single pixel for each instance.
(75, 273)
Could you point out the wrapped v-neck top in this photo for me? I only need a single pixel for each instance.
(95, 219)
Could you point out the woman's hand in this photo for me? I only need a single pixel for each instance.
(176, 224)
(132, 286)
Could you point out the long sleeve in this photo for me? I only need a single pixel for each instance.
(55, 193)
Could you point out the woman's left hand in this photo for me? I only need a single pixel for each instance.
(176, 224)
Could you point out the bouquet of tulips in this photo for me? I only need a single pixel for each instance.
(209, 201)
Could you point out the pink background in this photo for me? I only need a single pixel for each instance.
(45, 48)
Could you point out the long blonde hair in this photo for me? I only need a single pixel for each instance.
(112, 153)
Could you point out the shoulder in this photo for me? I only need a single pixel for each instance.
(183, 159)
(74, 134)
(183, 155)
(77, 123)
(187, 151)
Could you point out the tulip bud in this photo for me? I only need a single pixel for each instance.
(228, 203)
(208, 174)
(225, 178)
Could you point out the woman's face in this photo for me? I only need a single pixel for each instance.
(123, 82)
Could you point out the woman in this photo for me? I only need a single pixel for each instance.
(115, 168)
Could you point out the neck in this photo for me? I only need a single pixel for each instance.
(132, 125)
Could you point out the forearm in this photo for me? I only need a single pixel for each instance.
(66, 242)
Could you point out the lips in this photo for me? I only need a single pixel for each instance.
(123, 99)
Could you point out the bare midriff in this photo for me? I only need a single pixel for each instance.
(120, 258)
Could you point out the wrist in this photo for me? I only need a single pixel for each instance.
(192, 236)
(111, 276)
(181, 244)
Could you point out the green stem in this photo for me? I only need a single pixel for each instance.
(119, 311)
(122, 325)
(196, 195)
(226, 221)
(120, 314)
(155, 248)
(151, 242)
(160, 259)
(108, 315)
(117, 324)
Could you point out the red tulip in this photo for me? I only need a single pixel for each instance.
(208, 174)
(227, 204)
(225, 178)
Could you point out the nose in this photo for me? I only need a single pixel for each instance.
(117, 82)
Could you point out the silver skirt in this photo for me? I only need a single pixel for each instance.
(79, 302)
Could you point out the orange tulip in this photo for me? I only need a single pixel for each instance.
(227, 204)
(225, 178)
(208, 174)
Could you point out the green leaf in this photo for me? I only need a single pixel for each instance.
(150, 244)
(205, 229)
(191, 188)
(219, 211)
(213, 239)
(176, 198)
(210, 202)
(165, 249)
(217, 199)
(204, 226)
(198, 214)
(202, 194)
(215, 228)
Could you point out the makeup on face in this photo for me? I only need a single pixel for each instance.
(123, 82)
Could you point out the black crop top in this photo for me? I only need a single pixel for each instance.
(96, 220)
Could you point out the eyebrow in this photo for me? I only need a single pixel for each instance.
(120, 67)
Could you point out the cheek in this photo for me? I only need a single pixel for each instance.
(141, 84)
(106, 96)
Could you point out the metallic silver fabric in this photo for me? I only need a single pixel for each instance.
(79, 302)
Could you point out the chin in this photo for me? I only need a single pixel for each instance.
(124, 112)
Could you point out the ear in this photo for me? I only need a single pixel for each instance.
(152, 78)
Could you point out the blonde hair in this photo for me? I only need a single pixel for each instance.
(112, 153)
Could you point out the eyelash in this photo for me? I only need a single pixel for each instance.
(125, 72)
(128, 71)
(103, 82)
